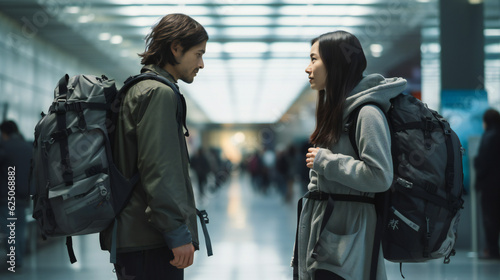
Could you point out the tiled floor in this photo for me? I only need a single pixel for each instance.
(252, 236)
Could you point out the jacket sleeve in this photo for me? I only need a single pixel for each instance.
(160, 164)
(373, 172)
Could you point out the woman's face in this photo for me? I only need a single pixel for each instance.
(316, 69)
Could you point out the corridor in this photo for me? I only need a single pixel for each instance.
(252, 236)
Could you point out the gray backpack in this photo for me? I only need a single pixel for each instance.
(418, 216)
(78, 189)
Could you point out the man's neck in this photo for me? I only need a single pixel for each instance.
(171, 70)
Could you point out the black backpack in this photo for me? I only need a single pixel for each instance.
(418, 216)
(78, 188)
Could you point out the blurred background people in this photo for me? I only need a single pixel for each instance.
(200, 165)
(15, 157)
(488, 181)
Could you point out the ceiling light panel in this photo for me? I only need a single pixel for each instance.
(245, 10)
(327, 10)
(159, 10)
(246, 21)
(290, 47)
(308, 33)
(152, 2)
(338, 2)
(246, 47)
(247, 91)
(184, 2)
(245, 32)
(258, 49)
(321, 21)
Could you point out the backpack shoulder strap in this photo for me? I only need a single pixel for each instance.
(380, 199)
(181, 103)
(352, 121)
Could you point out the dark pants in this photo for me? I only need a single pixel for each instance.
(151, 264)
(326, 275)
(491, 220)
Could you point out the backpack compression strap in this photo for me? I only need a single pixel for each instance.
(60, 111)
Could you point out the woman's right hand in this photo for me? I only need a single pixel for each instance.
(310, 156)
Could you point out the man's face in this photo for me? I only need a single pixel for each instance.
(190, 62)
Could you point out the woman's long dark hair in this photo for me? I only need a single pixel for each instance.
(345, 61)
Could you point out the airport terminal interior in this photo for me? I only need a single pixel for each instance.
(251, 111)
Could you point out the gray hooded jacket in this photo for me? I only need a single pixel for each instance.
(345, 245)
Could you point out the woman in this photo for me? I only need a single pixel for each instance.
(342, 250)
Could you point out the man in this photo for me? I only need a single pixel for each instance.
(488, 181)
(15, 156)
(157, 231)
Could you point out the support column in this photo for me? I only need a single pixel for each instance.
(463, 98)
(463, 95)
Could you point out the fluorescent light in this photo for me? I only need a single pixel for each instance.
(430, 32)
(243, 10)
(291, 47)
(248, 64)
(104, 36)
(72, 9)
(162, 10)
(435, 48)
(116, 39)
(213, 47)
(146, 21)
(238, 138)
(86, 18)
(337, 2)
(154, 2)
(142, 21)
(204, 20)
(125, 53)
(320, 21)
(307, 32)
(246, 47)
(492, 48)
(235, 21)
(330, 10)
(491, 32)
(246, 31)
(376, 49)
(430, 48)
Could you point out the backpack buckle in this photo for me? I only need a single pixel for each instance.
(59, 107)
(429, 125)
(204, 215)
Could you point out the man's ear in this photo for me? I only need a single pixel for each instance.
(176, 48)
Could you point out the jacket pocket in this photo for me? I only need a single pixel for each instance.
(335, 248)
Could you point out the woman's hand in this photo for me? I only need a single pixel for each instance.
(311, 156)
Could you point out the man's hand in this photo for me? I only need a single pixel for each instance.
(311, 156)
(183, 256)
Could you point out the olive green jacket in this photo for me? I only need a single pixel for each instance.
(150, 141)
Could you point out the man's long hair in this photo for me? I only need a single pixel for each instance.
(172, 28)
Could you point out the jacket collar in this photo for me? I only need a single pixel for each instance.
(158, 70)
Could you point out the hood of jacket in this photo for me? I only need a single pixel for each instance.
(374, 88)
